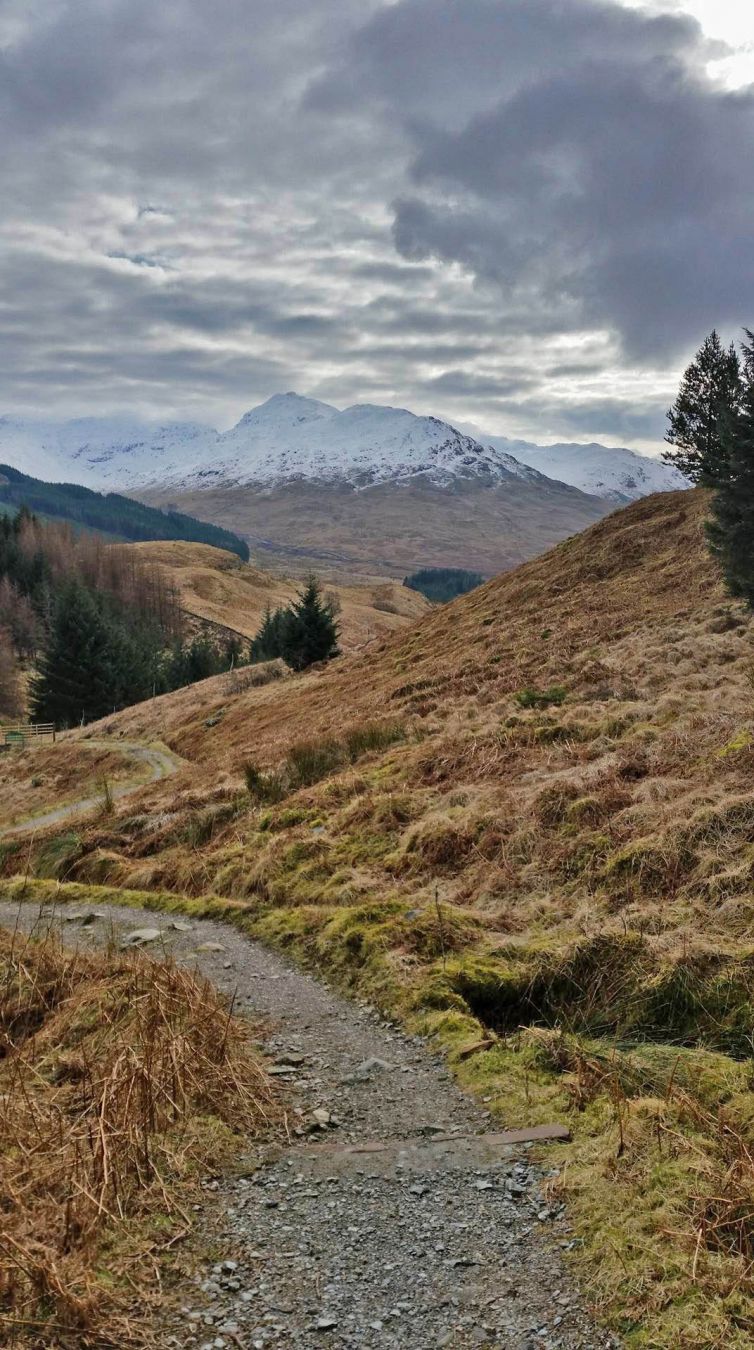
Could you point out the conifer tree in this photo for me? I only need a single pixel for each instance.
(77, 679)
(731, 530)
(710, 392)
(310, 632)
(268, 643)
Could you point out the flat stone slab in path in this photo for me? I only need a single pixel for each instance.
(401, 1217)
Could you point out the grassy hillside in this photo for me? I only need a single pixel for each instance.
(108, 513)
(390, 529)
(215, 586)
(527, 827)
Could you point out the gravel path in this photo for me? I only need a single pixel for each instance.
(395, 1218)
(160, 763)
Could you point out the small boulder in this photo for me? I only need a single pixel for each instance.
(140, 936)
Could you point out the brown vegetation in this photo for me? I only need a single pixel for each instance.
(217, 588)
(121, 1080)
(560, 851)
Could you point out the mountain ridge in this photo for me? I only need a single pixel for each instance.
(293, 438)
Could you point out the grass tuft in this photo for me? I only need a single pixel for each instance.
(121, 1079)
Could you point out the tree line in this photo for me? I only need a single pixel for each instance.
(711, 434)
(441, 584)
(99, 628)
(120, 517)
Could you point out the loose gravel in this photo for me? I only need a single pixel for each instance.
(393, 1218)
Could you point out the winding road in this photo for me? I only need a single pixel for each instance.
(161, 763)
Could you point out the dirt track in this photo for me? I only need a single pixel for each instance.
(160, 762)
(404, 1222)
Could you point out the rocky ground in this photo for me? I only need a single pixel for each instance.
(395, 1217)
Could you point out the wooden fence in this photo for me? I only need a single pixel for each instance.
(23, 732)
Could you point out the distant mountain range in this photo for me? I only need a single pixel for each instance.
(369, 488)
(292, 439)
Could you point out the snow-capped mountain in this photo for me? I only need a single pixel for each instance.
(618, 475)
(99, 452)
(291, 439)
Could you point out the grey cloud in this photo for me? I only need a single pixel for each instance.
(574, 154)
(462, 383)
(603, 417)
(433, 203)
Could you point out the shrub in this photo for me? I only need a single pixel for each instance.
(541, 698)
(372, 736)
(57, 856)
(263, 787)
(310, 761)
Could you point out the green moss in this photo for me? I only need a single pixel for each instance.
(741, 741)
(652, 866)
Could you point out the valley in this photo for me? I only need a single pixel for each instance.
(370, 490)
(390, 529)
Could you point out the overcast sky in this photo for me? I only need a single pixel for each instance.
(521, 213)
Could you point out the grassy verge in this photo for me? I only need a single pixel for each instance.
(660, 1175)
(122, 1081)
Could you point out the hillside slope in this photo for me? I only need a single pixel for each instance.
(217, 587)
(526, 826)
(107, 513)
(391, 529)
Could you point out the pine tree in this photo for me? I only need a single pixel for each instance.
(309, 632)
(77, 678)
(233, 654)
(268, 644)
(731, 531)
(710, 392)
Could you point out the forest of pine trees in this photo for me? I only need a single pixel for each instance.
(94, 626)
(119, 517)
(441, 584)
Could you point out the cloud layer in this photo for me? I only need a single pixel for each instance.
(520, 212)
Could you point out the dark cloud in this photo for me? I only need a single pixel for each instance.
(446, 204)
(589, 166)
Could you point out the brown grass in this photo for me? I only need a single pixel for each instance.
(32, 780)
(121, 1080)
(621, 813)
(216, 586)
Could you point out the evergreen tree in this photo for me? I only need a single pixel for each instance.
(302, 633)
(78, 677)
(309, 631)
(202, 659)
(731, 530)
(233, 654)
(710, 393)
(268, 643)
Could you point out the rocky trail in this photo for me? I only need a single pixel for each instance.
(397, 1216)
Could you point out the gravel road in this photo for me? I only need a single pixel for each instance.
(395, 1218)
(160, 763)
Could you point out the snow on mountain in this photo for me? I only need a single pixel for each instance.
(100, 452)
(286, 439)
(618, 475)
(289, 439)
(292, 439)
